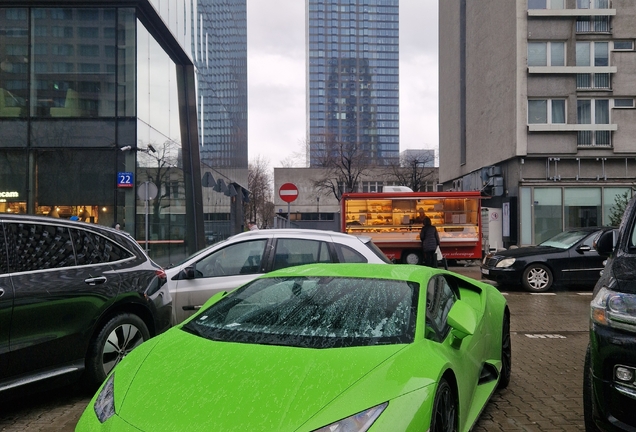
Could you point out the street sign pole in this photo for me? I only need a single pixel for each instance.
(288, 192)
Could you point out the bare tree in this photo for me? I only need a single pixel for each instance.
(414, 171)
(260, 207)
(344, 164)
(160, 164)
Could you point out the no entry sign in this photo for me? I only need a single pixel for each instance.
(288, 192)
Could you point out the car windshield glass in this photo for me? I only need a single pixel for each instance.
(314, 312)
(565, 239)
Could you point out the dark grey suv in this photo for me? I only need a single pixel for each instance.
(75, 298)
(609, 374)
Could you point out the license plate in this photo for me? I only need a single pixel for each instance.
(485, 271)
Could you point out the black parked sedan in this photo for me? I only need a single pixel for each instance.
(75, 298)
(568, 258)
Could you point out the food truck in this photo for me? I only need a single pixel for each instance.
(394, 220)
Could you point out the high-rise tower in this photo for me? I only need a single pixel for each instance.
(220, 54)
(353, 78)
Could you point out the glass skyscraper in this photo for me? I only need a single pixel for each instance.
(353, 79)
(221, 60)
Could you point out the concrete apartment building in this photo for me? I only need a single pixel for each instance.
(537, 109)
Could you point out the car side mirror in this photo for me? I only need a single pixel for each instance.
(462, 320)
(605, 243)
(188, 273)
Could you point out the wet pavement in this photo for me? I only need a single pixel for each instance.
(549, 338)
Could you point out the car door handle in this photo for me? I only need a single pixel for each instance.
(96, 280)
(191, 308)
(1, 292)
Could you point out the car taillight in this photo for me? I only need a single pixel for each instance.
(161, 274)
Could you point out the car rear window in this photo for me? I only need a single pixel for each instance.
(376, 250)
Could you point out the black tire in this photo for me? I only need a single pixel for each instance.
(537, 278)
(588, 400)
(411, 257)
(113, 342)
(506, 353)
(444, 415)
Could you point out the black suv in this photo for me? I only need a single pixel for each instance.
(75, 298)
(609, 384)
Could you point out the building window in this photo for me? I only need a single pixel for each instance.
(372, 186)
(548, 219)
(624, 45)
(624, 103)
(582, 207)
(546, 111)
(592, 4)
(593, 112)
(546, 53)
(592, 54)
(546, 4)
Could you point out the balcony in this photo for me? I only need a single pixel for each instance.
(597, 81)
(572, 127)
(572, 69)
(593, 24)
(571, 12)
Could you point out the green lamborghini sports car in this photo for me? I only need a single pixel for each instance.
(320, 347)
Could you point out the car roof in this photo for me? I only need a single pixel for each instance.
(298, 232)
(295, 231)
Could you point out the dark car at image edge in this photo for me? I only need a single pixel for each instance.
(609, 382)
(75, 298)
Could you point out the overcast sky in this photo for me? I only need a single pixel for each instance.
(276, 77)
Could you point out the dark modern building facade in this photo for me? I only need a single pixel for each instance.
(99, 119)
(353, 78)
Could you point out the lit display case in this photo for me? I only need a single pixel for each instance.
(394, 220)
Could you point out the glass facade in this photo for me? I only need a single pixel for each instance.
(92, 107)
(546, 211)
(353, 78)
(214, 34)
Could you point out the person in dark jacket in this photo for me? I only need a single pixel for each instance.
(430, 240)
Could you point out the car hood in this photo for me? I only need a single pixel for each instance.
(527, 251)
(190, 383)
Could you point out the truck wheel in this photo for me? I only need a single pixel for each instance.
(411, 257)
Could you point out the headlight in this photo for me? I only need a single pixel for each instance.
(507, 262)
(356, 423)
(614, 309)
(105, 403)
